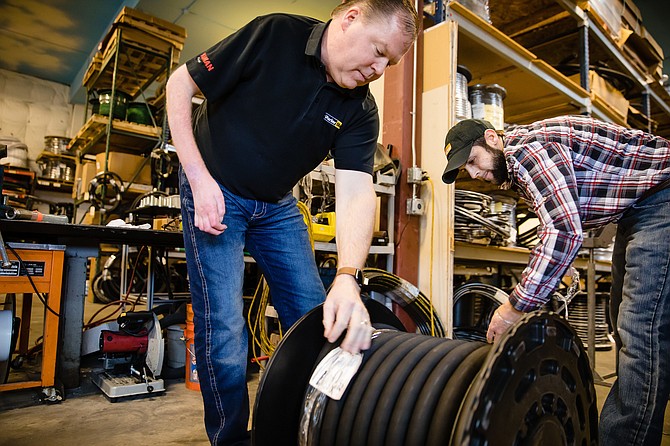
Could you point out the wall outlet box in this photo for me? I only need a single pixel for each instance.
(415, 206)
(414, 175)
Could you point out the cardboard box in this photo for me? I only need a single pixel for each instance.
(83, 174)
(606, 92)
(125, 165)
(92, 217)
(608, 13)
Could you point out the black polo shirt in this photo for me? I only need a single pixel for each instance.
(270, 116)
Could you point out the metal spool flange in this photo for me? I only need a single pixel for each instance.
(535, 388)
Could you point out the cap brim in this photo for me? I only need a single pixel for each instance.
(457, 160)
(449, 176)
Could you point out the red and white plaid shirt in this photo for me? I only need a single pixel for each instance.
(576, 173)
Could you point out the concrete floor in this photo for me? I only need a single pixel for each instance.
(87, 417)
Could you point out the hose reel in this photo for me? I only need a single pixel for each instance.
(532, 387)
(105, 191)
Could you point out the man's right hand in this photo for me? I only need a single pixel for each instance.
(209, 205)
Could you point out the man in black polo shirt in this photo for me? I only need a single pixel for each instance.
(280, 94)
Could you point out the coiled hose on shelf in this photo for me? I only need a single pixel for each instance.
(417, 306)
(474, 305)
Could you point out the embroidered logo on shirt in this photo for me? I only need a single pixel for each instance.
(330, 119)
(204, 59)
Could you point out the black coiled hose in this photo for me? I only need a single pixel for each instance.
(534, 386)
(417, 306)
(474, 305)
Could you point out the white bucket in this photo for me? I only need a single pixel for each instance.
(6, 321)
(176, 347)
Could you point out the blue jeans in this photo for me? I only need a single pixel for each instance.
(640, 308)
(276, 237)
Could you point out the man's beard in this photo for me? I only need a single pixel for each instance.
(499, 170)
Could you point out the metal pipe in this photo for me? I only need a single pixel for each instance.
(23, 214)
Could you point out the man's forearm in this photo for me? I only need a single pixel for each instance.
(355, 209)
(179, 93)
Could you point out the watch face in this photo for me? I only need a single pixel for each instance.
(360, 277)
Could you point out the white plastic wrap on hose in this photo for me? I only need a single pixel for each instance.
(6, 321)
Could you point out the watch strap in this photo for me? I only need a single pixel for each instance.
(351, 271)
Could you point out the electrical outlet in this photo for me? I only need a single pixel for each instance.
(415, 206)
(414, 175)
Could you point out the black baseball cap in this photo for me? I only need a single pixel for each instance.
(458, 145)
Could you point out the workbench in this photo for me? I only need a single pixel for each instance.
(36, 268)
(81, 242)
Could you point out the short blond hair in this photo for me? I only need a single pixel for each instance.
(384, 9)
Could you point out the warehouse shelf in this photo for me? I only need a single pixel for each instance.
(569, 34)
(632, 60)
(535, 90)
(512, 255)
(48, 182)
(136, 56)
(53, 185)
(325, 172)
(139, 50)
(527, 47)
(125, 136)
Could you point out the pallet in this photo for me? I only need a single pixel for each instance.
(135, 138)
(146, 43)
(151, 24)
(137, 67)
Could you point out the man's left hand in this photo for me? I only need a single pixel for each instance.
(344, 309)
(503, 318)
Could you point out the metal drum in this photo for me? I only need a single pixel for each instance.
(463, 107)
(17, 152)
(58, 169)
(487, 103)
(140, 113)
(56, 144)
(120, 103)
(503, 213)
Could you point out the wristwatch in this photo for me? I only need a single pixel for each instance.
(361, 280)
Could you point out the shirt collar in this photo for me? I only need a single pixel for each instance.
(313, 47)
(509, 159)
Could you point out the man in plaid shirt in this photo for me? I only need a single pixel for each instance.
(578, 173)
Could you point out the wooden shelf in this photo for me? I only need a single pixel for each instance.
(535, 89)
(552, 31)
(145, 48)
(127, 137)
(511, 255)
(54, 185)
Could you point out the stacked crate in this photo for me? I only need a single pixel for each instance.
(148, 40)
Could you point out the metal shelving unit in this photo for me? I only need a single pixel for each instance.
(388, 191)
(139, 52)
(528, 68)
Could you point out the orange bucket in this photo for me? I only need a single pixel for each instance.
(192, 381)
